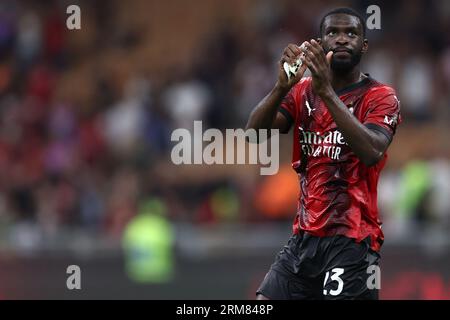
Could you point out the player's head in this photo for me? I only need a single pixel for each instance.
(343, 31)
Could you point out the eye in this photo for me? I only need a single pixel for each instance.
(351, 34)
(331, 33)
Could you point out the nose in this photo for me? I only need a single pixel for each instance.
(342, 39)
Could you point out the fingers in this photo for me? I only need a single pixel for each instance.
(294, 49)
(311, 57)
(315, 49)
(291, 53)
(290, 56)
(314, 57)
(329, 56)
(300, 73)
(310, 64)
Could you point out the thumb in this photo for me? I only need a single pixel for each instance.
(329, 55)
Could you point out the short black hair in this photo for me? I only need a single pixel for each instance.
(348, 11)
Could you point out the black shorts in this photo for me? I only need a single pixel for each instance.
(319, 268)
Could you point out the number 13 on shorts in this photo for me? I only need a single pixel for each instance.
(335, 276)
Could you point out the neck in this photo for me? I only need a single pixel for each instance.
(343, 80)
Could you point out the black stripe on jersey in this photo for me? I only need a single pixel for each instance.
(287, 115)
(373, 126)
(354, 86)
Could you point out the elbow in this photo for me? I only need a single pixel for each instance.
(247, 137)
(250, 123)
(372, 158)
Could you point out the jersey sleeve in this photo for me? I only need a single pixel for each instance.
(383, 114)
(287, 107)
(290, 105)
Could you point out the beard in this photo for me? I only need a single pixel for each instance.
(346, 65)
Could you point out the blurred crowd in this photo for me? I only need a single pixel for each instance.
(86, 152)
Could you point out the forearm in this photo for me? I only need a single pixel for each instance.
(363, 142)
(263, 115)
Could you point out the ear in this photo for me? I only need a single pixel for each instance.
(365, 46)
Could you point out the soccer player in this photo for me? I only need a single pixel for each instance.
(343, 122)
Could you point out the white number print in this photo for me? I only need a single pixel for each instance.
(336, 272)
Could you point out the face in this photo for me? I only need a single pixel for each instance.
(343, 34)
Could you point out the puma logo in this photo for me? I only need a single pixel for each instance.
(309, 108)
(351, 108)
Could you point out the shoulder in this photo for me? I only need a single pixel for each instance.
(294, 99)
(380, 90)
(380, 95)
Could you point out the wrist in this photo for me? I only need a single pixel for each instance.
(327, 93)
(280, 89)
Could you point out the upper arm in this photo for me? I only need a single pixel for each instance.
(282, 122)
(381, 140)
(288, 110)
(383, 114)
(382, 118)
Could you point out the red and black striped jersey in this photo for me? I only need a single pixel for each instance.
(338, 192)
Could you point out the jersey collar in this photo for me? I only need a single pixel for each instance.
(354, 86)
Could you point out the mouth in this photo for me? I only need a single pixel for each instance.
(342, 49)
(342, 52)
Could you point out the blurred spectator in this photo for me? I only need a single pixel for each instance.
(416, 87)
(276, 197)
(148, 244)
(125, 121)
(186, 102)
(221, 206)
(29, 39)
